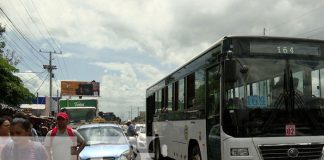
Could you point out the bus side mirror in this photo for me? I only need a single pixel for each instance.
(230, 71)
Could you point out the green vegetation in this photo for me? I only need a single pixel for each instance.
(13, 92)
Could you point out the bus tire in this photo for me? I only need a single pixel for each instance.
(195, 153)
(157, 150)
(151, 150)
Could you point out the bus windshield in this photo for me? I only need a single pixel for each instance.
(273, 94)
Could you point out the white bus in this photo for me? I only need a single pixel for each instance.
(246, 97)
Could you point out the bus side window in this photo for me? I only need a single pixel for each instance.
(190, 90)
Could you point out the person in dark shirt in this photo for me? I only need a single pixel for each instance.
(131, 129)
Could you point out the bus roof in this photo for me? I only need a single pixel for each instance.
(218, 42)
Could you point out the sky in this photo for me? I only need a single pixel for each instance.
(129, 45)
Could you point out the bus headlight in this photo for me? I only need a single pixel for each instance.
(239, 152)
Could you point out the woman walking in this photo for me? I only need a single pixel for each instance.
(22, 147)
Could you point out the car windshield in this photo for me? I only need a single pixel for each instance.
(138, 128)
(103, 135)
(143, 130)
(273, 95)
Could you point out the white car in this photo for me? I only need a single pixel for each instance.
(105, 141)
(138, 127)
(141, 140)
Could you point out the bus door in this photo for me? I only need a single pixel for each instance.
(213, 114)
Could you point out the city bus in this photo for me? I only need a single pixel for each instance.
(245, 97)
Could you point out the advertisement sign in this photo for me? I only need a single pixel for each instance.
(76, 88)
(79, 103)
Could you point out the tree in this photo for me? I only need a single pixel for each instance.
(13, 92)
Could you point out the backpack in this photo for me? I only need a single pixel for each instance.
(69, 131)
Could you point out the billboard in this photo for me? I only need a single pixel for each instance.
(76, 88)
(78, 103)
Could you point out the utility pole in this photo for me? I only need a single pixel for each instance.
(50, 69)
(131, 113)
(57, 101)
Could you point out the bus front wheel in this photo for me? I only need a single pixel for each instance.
(195, 153)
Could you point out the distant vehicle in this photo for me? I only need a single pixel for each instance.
(98, 120)
(138, 127)
(105, 141)
(109, 116)
(141, 140)
(80, 111)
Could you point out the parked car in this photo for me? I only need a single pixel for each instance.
(105, 141)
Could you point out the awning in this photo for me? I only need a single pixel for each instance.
(33, 106)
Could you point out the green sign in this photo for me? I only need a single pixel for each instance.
(79, 103)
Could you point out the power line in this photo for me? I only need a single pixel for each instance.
(17, 34)
(66, 68)
(51, 37)
(60, 67)
(310, 31)
(18, 48)
(42, 55)
(24, 23)
(22, 35)
(300, 16)
(32, 78)
(41, 84)
(57, 86)
(32, 20)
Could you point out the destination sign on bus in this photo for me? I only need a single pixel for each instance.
(284, 48)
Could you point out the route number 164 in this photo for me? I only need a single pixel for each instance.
(285, 50)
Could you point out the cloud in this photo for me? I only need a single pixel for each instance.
(173, 31)
(39, 82)
(121, 86)
(149, 71)
(68, 55)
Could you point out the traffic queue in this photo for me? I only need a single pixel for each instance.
(55, 139)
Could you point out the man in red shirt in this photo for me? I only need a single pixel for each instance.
(63, 141)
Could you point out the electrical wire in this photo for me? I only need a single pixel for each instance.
(26, 26)
(60, 67)
(318, 6)
(18, 32)
(50, 35)
(11, 42)
(32, 20)
(32, 78)
(42, 83)
(310, 31)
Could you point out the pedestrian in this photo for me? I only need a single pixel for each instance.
(33, 133)
(4, 132)
(4, 126)
(131, 129)
(22, 147)
(63, 142)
